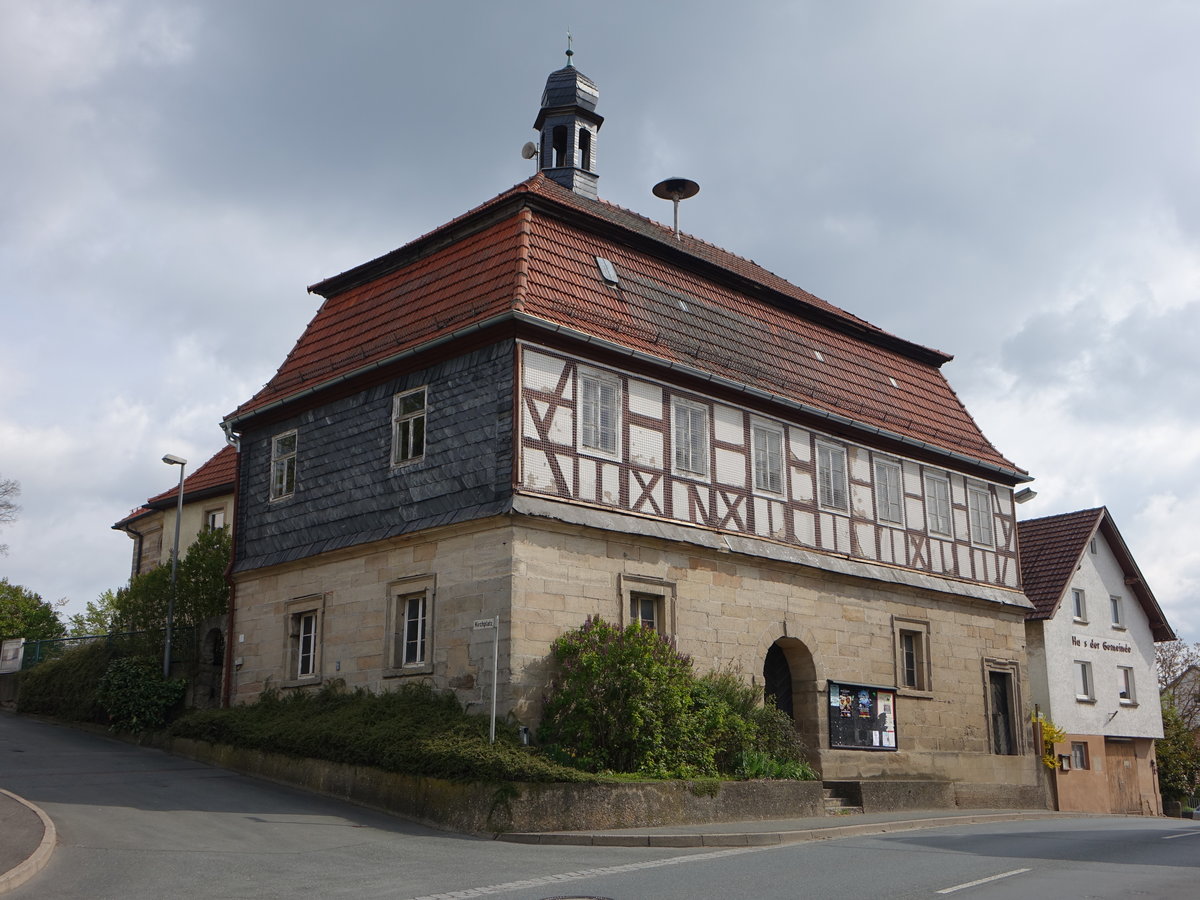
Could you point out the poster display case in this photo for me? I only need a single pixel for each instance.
(861, 717)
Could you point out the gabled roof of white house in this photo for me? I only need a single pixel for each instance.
(1051, 549)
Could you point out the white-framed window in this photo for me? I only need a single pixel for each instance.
(1092, 546)
(408, 426)
(1116, 605)
(1125, 685)
(912, 654)
(1085, 688)
(1079, 755)
(409, 636)
(889, 492)
(646, 609)
(1079, 605)
(937, 505)
(832, 491)
(690, 429)
(768, 458)
(979, 510)
(599, 412)
(302, 651)
(649, 602)
(283, 465)
(214, 518)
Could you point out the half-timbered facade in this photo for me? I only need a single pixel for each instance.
(553, 407)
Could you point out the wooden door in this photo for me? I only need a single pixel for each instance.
(1124, 795)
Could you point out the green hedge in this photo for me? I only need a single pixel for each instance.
(65, 687)
(413, 730)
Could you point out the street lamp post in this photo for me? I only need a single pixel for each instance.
(172, 460)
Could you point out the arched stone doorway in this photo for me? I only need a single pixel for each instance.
(789, 681)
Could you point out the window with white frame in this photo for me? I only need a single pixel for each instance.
(1118, 613)
(1125, 685)
(832, 492)
(912, 654)
(937, 505)
(1079, 755)
(283, 465)
(408, 426)
(889, 492)
(1079, 605)
(768, 458)
(408, 644)
(303, 648)
(649, 602)
(214, 518)
(599, 412)
(979, 510)
(691, 437)
(1085, 688)
(646, 609)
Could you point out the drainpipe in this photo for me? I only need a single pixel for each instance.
(227, 685)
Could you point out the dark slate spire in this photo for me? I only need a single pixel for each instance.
(568, 124)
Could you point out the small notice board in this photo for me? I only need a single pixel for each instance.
(861, 717)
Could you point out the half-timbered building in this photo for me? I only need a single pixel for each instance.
(552, 407)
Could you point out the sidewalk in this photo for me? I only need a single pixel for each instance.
(779, 831)
(27, 839)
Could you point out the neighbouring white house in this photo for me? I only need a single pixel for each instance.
(1090, 642)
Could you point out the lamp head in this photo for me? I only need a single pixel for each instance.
(172, 460)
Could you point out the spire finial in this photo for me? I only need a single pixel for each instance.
(570, 52)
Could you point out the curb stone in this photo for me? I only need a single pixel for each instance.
(37, 860)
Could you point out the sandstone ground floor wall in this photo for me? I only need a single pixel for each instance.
(803, 629)
(1119, 776)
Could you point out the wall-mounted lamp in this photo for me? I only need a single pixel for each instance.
(1024, 495)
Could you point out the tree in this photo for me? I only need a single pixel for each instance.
(24, 614)
(99, 617)
(202, 591)
(1179, 676)
(1178, 755)
(9, 491)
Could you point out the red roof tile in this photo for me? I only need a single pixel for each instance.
(1051, 548)
(215, 474)
(681, 300)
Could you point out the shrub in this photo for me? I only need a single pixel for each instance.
(622, 702)
(413, 730)
(66, 686)
(627, 701)
(135, 695)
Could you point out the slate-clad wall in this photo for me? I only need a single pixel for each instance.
(347, 491)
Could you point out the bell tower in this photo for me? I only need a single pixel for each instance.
(567, 124)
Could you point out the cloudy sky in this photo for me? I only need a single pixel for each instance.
(1016, 183)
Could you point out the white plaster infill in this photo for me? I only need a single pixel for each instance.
(722, 542)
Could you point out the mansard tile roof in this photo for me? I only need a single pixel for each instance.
(1051, 548)
(529, 254)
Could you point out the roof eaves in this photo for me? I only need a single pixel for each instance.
(1160, 628)
(1013, 475)
(237, 418)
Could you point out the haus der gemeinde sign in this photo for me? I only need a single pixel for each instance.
(1092, 644)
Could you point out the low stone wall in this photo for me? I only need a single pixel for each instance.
(479, 808)
(1001, 796)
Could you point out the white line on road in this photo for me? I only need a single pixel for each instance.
(959, 887)
(590, 873)
(1182, 834)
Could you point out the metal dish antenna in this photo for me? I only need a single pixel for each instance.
(676, 189)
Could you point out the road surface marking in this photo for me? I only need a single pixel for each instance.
(1182, 834)
(590, 873)
(959, 887)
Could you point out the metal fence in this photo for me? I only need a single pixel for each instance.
(183, 645)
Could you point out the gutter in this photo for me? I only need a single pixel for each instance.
(227, 681)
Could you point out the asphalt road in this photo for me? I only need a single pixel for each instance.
(136, 823)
